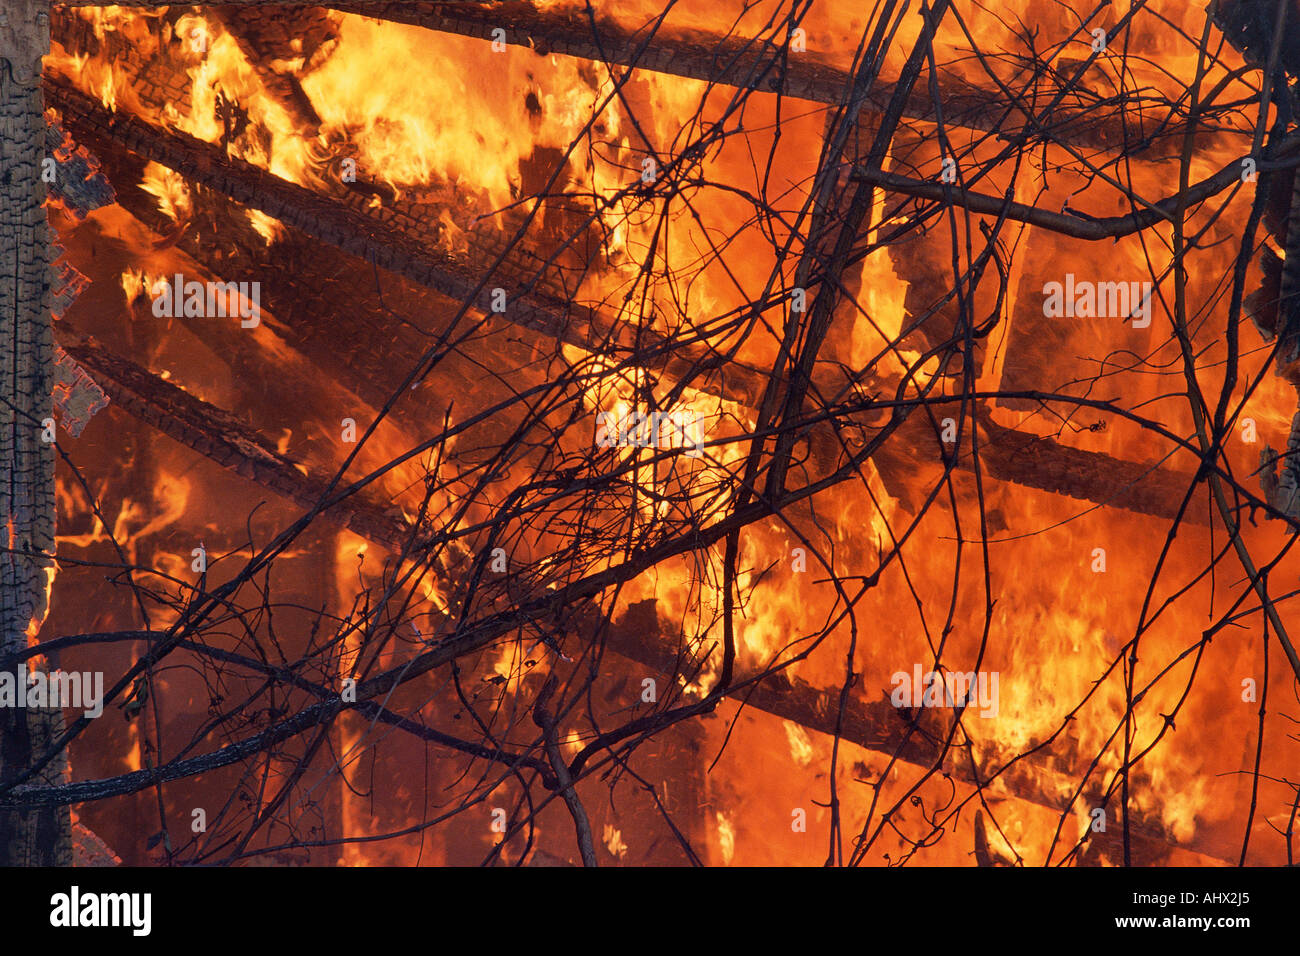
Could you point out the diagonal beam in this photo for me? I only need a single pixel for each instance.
(225, 439)
(388, 247)
(1053, 467)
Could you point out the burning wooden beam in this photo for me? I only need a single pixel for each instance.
(220, 436)
(1037, 462)
(365, 349)
(747, 63)
(878, 726)
(1041, 462)
(1055, 467)
(265, 36)
(384, 245)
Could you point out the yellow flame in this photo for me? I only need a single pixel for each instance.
(170, 189)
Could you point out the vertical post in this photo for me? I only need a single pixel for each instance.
(26, 460)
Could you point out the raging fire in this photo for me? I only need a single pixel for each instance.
(666, 207)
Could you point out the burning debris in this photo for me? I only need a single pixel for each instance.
(903, 356)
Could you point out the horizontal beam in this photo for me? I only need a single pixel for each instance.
(1026, 459)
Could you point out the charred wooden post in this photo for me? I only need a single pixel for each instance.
(1281, 475)
(42, 837)
(27, 488)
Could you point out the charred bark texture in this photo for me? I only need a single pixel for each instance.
(41, 837)
(267, 35)
(27, 484)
